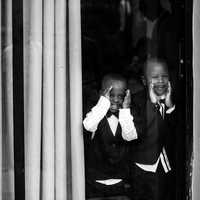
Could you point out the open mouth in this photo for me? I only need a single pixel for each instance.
(160, 89)
(114, 106)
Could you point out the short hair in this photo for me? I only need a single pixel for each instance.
(157, 60)
(112, 77)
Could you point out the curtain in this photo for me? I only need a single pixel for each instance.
(6, 110)
(52, 100)
(52, 106)
(196, 100)
(76, 101)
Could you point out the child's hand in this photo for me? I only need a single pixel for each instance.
(106, 92)
(152, 94)
(168, 99)
(127, 99)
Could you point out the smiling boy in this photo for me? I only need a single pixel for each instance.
(111, 124)
(152, 153)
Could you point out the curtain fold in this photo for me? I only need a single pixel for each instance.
(47, 96)
(48, 128)
(53, 140)
(7, 102)
(33, 100)
(77, 149)
(60, 100)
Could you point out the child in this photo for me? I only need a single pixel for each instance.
(110, 123)
(152, 153)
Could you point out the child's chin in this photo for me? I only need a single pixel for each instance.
(112, 110)
(160, 92)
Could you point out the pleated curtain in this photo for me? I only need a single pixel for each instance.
(6, 103)
(53, 145)
(54, 155)
(52, 105)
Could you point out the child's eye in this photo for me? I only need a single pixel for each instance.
(155, 77)
(162, 76)
(165, 76)
(121, 96)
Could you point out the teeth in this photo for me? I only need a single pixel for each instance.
(160, 87)
(114, 106)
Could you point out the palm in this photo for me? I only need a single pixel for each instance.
(127, 100)
(168, 100)
(106, 92)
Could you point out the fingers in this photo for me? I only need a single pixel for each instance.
(169, 87)
(110, 88)
(152, 95)
(106, 92)
(127, 99)
(128, 93)
(151, 89)
(168, 100)
(151, 86)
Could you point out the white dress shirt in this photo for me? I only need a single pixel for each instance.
(97, 113)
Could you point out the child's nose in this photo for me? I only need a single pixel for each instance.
(116, 99)
(160, 79)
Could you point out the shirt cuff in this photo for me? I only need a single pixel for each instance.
(170, 110)
(124, 112)
(126, 121)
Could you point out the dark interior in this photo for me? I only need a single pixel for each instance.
(113, 41)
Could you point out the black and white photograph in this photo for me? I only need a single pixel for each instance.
(99, 99)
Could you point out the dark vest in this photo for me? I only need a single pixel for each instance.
(107, 154)
(154, 133)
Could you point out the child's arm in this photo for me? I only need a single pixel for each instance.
(128, 128)
(126, 120)
(97, 113)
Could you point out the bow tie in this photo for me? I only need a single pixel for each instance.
(109, 114)
(162, 101)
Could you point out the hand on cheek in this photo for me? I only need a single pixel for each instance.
(106, 92)
(152, 94)
(168, 99)
(127, 100)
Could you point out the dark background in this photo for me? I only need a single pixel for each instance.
(107, 49)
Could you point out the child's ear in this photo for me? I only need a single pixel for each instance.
(144, 81)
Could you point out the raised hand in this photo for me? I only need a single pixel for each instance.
(152, 94)
(127, 99)
(106, 92)
(168, 98)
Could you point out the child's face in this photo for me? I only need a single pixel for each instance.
(157, 74)
(117, 95)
